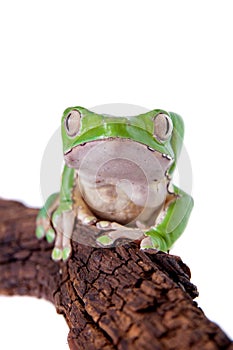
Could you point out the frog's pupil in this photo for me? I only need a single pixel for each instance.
(67, 121)
(168, 126)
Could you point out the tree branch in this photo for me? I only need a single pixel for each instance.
(118, 298)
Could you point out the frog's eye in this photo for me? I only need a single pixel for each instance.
(162, 127)
(72, 123)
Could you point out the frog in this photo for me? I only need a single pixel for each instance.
(117, 177)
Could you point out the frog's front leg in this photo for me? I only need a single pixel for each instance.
(71, 207)
(173, 220)
(63, 220)
(56, 219)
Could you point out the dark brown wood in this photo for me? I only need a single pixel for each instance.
(118, 298)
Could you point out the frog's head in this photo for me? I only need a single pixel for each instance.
(160, 131)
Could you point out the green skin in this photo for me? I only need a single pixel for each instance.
(160, 139)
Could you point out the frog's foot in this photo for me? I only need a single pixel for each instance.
(62, 248)
(149, 243)
(116, 232)
(45, 229)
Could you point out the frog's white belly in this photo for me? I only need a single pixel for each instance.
(121, 180)
(116, 203)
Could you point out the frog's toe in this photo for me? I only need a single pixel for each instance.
(89, 220)
(56, 254)
(50, 235)
(149, 243)
(40, 232)
(104, 225)
(105, 240)
(66, 252)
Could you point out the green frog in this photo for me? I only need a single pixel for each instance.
(118, 176)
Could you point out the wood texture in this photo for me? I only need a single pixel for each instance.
(118, 298)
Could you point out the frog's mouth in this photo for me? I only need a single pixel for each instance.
(118, 158)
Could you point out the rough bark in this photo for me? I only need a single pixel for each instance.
(118, 298)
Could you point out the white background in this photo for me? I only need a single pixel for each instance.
(175, 55)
